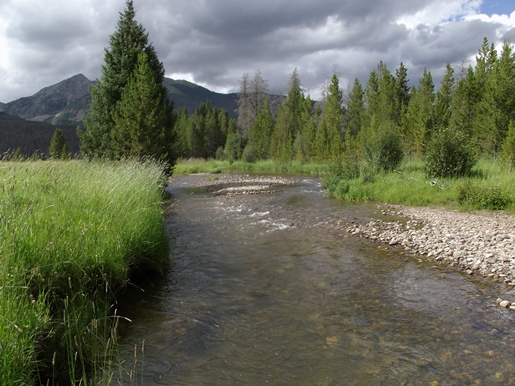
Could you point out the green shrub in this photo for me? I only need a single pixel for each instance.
(383, 149)
(482, 197)
(249, 154)
(449, 154)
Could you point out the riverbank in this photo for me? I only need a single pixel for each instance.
(481, 243)
(71, 235)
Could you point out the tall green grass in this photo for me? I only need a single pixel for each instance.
(71, 233)
(184, 167)
(489, 187)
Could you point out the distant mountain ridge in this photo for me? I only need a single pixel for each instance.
(66, 102)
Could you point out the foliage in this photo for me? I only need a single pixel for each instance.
(449, 154)
(115, 99)
(508, 148)
(140, 121)
(32, 137)
(249, 154)
(329, 137)
(58, 148)
(383, 149)
(482, 197)
(261, 132)
(419, 116)
(489, 187)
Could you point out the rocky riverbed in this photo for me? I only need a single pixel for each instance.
(478, 243)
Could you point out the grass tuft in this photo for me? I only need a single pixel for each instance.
(71, 232)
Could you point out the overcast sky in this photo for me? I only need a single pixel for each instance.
(214, 42)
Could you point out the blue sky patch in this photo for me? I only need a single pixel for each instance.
(500, 7)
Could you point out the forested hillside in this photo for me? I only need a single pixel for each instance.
(28, 138)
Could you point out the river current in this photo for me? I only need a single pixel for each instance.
(264, 289)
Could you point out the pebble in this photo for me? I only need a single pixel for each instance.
(478, 243)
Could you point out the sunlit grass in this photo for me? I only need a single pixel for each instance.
(408, 185)
(185, 167)
(70, 234)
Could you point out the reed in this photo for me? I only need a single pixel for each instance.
(72, 233)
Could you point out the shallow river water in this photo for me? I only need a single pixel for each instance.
(263, 289)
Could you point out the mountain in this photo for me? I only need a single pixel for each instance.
(189, 95)
(66, 102)
(48, 103)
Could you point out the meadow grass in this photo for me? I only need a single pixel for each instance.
(71, 233)
(408, 185)
(196, 165)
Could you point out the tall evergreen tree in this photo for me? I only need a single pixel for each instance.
(329, 137)
(419, 117)
(497, 106)
(442, 111)
(402, 93)
(58, 148)
(182, 129)
(261, 132)
(355, 110)
(120, 62)
(463, 104)
(141, 124)
(288, 123)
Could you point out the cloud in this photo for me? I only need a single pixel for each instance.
(215, 42)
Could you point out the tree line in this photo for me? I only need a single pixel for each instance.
(382, 120)
(475, 101)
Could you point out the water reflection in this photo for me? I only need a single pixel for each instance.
(263, 290)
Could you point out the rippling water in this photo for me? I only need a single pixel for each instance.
(264, 290)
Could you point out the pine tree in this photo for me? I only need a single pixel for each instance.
(355, 110)
(303, 145)
(120, 62)
(508, 147)
(463, 104)
(140, 121)
(182, 129)
(288, 123)
(499, 97)
(442, 111)
(58, 148)
(419, 117)
(261, 132)
(329, 137)
(402, 93)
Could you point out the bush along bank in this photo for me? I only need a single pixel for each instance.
(72, 233)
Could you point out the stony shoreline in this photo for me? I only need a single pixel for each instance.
(478, 243)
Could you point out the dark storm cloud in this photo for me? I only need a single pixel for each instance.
(215, 42)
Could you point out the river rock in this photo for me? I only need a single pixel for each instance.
(475, 242)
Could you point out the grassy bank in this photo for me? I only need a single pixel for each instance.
(185, 167)
(71, 232)
(488, 187)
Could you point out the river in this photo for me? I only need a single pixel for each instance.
(265, 289)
